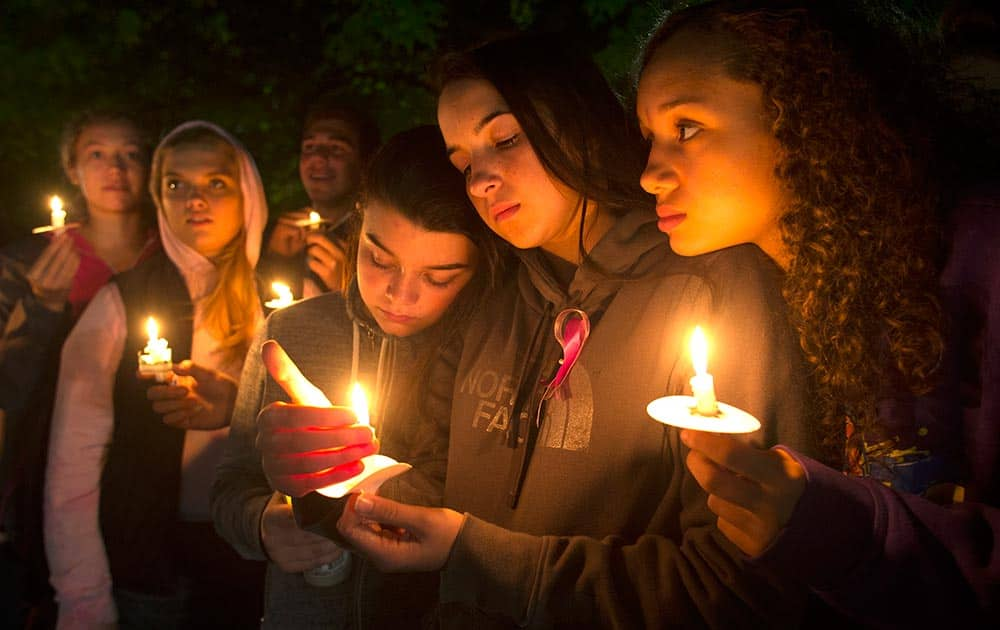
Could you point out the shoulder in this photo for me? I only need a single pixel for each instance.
(740, 274)
(323, 314)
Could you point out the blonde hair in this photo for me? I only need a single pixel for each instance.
(231, 309)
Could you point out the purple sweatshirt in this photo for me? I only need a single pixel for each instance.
(893, 559)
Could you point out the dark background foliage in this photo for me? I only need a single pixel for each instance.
(251, 67)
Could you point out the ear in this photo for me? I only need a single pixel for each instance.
(72, 176)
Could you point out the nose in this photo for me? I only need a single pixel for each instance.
(402, 289)
(659, 177)
(484, 178)
(117, 162)
(194, 198)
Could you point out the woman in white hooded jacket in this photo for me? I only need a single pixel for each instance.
(128, 532)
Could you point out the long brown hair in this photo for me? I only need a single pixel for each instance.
(862, 227)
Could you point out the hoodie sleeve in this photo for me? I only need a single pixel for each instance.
(678, 570)
(29, 335)
(890, 558)
(82, 425)
(241, 491)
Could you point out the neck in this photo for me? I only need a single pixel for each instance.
(567, 247)
(777, 250)
(116, 237)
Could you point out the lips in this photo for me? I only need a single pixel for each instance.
(397, 318)
(669, 219)
(199, 221)
(503, 210)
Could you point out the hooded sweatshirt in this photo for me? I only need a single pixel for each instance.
(84, 416)
(334, 342)
(600, 523)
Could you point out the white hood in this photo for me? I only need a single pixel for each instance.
(187, 259)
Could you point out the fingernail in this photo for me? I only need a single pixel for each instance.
(686, 437)
(363, 505)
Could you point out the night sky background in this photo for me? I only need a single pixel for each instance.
(252, 67)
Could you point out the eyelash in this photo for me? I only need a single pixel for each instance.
(434, 283)
(375, 261)
(508, 142)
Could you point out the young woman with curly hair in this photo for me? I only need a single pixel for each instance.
(765, 126)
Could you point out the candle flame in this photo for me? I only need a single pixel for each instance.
(152, 329)
(359, 402)
(55, 204)
(313, 217)
(282, 291)
(699, 351)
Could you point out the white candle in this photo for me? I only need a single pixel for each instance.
(702, 383)
(156, 358)
(282, 296)
(58, 215)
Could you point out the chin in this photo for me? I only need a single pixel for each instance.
(687, 248)
(396, 329)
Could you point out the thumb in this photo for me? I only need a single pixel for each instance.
(192, 369)
(284, 371)
(385, 511)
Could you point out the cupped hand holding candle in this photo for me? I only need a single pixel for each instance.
(755, 490)
(311, 445)
(197, 397)
(51, 275)
(156, 358)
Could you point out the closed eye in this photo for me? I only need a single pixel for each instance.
(435, 282)
(508, 142)
(375, 261)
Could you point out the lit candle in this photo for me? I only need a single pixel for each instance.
(314, 220)
(702, 383)
(58, 215)
(701, 412)
(155, 359)
(378, 468)
(359, 403)
(282, 296)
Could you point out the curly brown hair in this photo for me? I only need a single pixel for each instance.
(862, 225)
